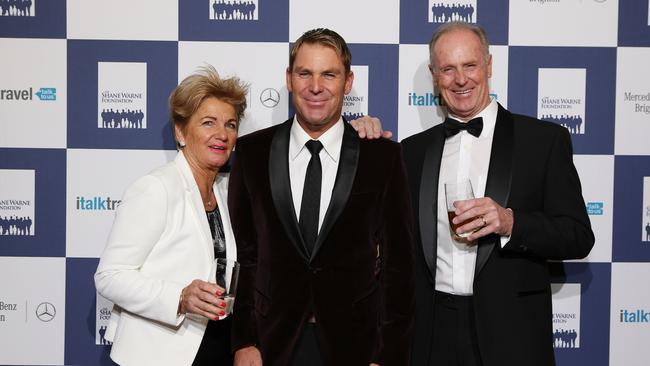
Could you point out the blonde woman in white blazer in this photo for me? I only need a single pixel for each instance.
(157, 267)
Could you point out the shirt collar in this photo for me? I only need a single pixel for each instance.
(332, 139)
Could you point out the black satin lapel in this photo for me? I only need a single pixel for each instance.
(281, 186)
(347, 170)
(499, 177)
(428, 205)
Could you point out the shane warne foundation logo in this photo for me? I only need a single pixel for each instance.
(18, 8)
(566, 315)
(103, 314)
(236, 10)
(17, 203)
(355, 103)
(122, 95)
(452, 10)
(645, 221)
(561, 98)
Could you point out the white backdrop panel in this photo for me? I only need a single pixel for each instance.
(33, 93)
(32, 310)
(123, 19)
(96, 180)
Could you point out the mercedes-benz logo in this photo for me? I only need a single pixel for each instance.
(45, 311)
(270, 97)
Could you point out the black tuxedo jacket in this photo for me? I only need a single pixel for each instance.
(359, 280)
(531, 171)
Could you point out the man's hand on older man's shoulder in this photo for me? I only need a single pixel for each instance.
(370, 128)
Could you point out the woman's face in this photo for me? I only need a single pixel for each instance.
(209, 135)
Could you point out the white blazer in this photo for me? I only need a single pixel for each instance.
(159, 243)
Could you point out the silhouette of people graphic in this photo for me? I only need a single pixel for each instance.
(647, 231)
(571, 123)
(565, 338)
(16, 7)
(15, 225)
(124, 119)
(102, 332)
(237, 10)
(443, 13)
(349, 116)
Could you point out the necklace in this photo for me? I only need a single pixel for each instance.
(208, 203)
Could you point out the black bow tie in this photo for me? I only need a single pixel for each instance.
(473, 126)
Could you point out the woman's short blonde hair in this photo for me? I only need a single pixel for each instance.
(186, 98)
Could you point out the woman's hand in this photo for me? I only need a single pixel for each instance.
(202, 298)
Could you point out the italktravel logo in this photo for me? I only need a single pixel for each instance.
(96, 203)
(428, 99)
(634, 316)
(595, 208)
(43, 94)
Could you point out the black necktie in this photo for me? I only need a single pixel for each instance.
(473, 126)
(310, 206)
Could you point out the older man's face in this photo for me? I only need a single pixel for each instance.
(461, 72)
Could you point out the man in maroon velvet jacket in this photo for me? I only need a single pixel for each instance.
(344, 295)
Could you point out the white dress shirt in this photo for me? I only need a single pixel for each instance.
(464, 157)
(299, 157)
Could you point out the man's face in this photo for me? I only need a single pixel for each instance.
(461, 72)
(318, 83)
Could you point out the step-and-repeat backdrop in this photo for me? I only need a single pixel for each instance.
(83, 92)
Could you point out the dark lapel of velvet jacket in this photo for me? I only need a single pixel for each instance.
(499, 178)
(427, 211)
(345, 175)
(281, 186)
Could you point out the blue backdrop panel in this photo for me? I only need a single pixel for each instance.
(628, 209)
(271, 25)
(601, 85)
(382, 61)
(633, 29)
(80, 348)
(595, 281)
(49, 166)
(47, 21)
(162, 68)
(415, 26)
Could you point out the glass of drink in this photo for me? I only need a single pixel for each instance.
(227, 271)
(457, 191)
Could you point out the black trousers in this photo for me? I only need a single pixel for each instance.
(215, 346)
(454, 340)
(307, 353)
